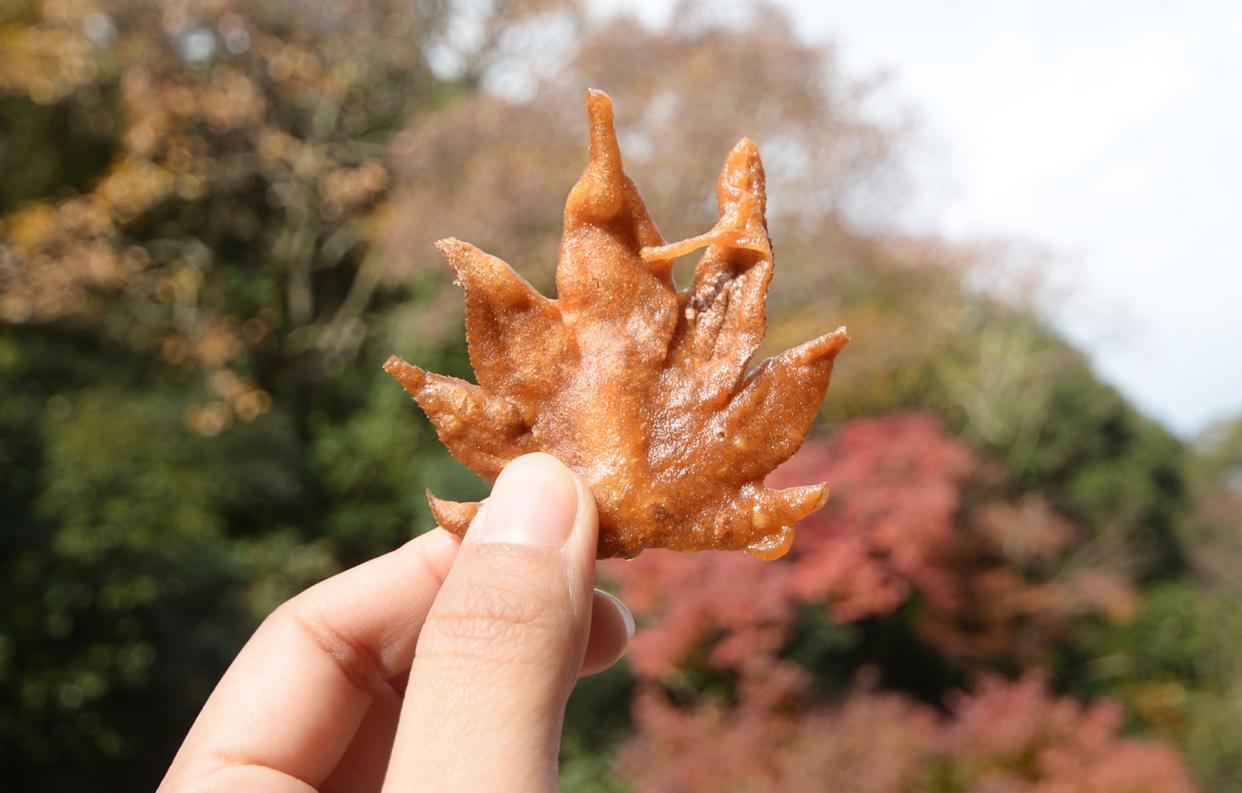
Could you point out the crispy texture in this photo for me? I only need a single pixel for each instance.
(639, 388)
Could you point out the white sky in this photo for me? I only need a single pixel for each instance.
(1108, 130)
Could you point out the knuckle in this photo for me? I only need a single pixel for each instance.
(357, 664)
(496, 621)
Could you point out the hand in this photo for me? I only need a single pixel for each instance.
(442, 666)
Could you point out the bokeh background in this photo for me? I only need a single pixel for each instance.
(215, 224)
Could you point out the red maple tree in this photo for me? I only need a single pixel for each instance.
(1005, 737)
(914, 513)
(915, 516)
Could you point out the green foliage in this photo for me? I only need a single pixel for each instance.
(1216, 480)
(45, 151)
(137, 568)
(1023, 396)
(596, 720)
(372, 466)
(1178, 666)
(193, 422)
(1219, 453)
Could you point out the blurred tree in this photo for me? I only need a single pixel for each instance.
(191, 417)
(1015, 737)
(1022, 395)
(749, 672)
(1216, 476)
(1178, 665)
(1178, 668)
(683, 97)
(987, 579)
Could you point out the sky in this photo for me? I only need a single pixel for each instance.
(1108, 132)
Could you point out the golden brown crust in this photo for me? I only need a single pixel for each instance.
(639, 388)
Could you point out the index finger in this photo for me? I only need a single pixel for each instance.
(288, 706)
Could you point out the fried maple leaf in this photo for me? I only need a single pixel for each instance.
(638, 387)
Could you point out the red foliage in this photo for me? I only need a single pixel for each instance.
(1006, 737)
(914, 514)
(899, 483)
(689, 599)
(913, 511)
(872, 744)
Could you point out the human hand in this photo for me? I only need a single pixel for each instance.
(442, 666)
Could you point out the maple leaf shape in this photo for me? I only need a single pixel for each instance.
(638, 387)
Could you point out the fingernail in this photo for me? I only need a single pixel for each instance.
(624, 610)
(533, 502)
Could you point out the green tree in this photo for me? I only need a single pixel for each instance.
(192, 420)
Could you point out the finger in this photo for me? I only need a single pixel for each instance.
(363, 766)
(504, 641)
(612, 626)
(290, 703)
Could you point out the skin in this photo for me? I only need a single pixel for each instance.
(443, 665)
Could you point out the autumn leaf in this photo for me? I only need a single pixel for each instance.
(640, 388)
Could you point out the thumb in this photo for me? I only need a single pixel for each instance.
(503, 642)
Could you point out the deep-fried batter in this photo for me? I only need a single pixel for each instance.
(639, 388)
